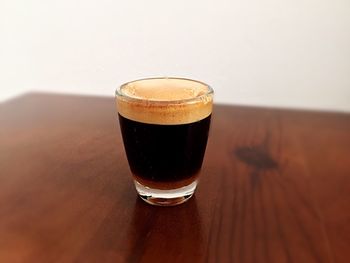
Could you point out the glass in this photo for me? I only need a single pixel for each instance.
(165, 124)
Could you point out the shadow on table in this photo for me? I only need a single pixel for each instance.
(169, 234)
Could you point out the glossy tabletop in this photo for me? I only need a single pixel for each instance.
(275, 187)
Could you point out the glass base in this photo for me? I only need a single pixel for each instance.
(165, 197)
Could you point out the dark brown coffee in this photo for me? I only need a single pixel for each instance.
(165, 124)
(165, 156)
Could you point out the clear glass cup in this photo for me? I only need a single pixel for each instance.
(165, 125)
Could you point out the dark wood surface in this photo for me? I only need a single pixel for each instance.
(275, 187)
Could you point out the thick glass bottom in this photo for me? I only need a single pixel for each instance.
(165, 197)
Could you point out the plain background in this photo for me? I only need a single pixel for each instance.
(293, 53)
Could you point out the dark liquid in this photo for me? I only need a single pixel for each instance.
(165, 153)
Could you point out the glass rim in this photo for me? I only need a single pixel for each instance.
(208, 92)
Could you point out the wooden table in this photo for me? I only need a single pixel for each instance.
(275, 187)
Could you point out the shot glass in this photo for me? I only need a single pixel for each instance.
(165, 125)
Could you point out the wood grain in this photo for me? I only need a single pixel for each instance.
(274, 188)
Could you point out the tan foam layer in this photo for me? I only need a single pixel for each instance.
(165, 101)
(164, 89)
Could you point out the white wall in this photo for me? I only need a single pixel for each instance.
(293, 53)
